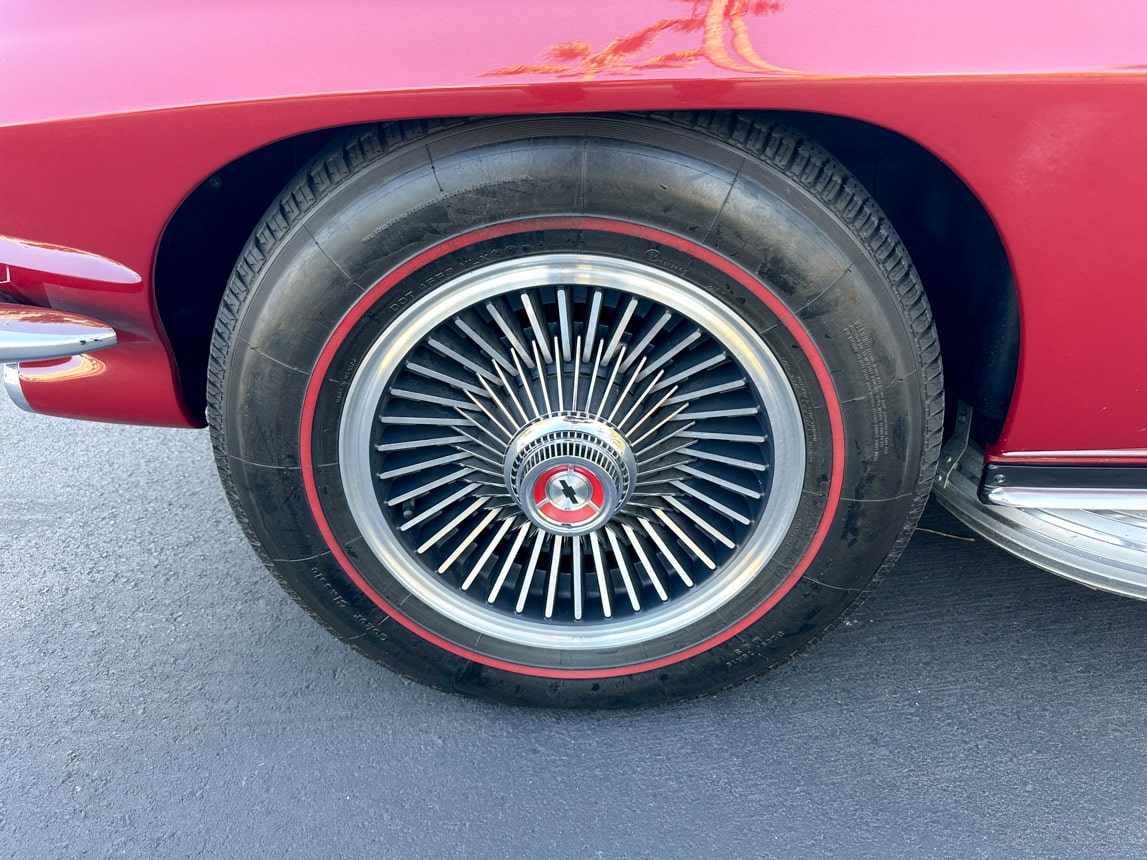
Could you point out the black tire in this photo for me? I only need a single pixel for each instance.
(340, 322)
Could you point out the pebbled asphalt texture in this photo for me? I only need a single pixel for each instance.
(161, 697)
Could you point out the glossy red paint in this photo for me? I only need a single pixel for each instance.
(1035, 105)
(33, 268)
(787, 319)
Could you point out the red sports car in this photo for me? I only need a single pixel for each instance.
(596, 355)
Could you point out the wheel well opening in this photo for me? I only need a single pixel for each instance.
(203, 240)
(948, 233)
(957, 251)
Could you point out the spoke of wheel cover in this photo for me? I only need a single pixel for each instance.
(482, 458)
(541, 334)
(529, 389)
(685, 539)
(646, 463)
(558, 378)
(523, 530)
(668, 419)
(576, 376)
(453, 381)
(510, 331)
(480, 443)
(565, 324)
(649, 413)
(602, 576)
(623, 569)
(750, 438)
(445, 349)
(437, 441)
(423, 464)
(713, 503)
(650, 570)
(578, 584)
(593, 378)
(487, 552)
(591, 326)
(458, 495)
(695, 369)
(483, 343)
(730, 461)
(430, 485)
(640, 401)
(671, 353)
(544, 383)
(625, 389)
(665, 551)
(420, 421)
(648, 471)
(605, 391)
(720, 482)
(722, 413)
(723, 388)
(426, 397)
(619, 329)
(451, 525)
(512, 420)
(555, 568)
(702, 523)
(524, 591)
(513, 397)
(466, 541)
(646, 339)
(506, 434)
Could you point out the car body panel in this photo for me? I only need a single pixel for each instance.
(121, 57)
(1036, 107)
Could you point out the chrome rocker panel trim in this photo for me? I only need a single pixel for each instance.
(1069, 498)
(1102, 549)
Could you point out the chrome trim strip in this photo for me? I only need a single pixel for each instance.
(29, 333)
(1103, 549)
(1077, 455)
(11, 373)
(1069, 498)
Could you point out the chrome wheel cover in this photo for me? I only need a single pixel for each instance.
(571, 452)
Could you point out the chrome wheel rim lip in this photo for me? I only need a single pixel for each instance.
(385, 357)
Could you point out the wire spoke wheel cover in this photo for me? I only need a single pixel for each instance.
(589, 411)
(583, 409)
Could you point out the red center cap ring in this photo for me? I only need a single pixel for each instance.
(569, 494)
(569, 472)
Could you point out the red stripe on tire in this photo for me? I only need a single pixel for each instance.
(605, 225)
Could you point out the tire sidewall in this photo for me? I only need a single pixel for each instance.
(382, 219)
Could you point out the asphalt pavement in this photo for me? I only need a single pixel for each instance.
(161, 697)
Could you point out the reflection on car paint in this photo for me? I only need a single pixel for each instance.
(725, 42)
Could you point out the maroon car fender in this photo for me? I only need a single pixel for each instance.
(1048, 134)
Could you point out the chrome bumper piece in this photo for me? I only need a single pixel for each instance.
(29, 333)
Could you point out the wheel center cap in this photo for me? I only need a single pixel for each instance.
(569, 472)
(570, 488)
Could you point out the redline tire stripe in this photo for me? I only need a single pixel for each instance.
(787, 319)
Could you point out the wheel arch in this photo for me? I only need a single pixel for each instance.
(947, 230)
